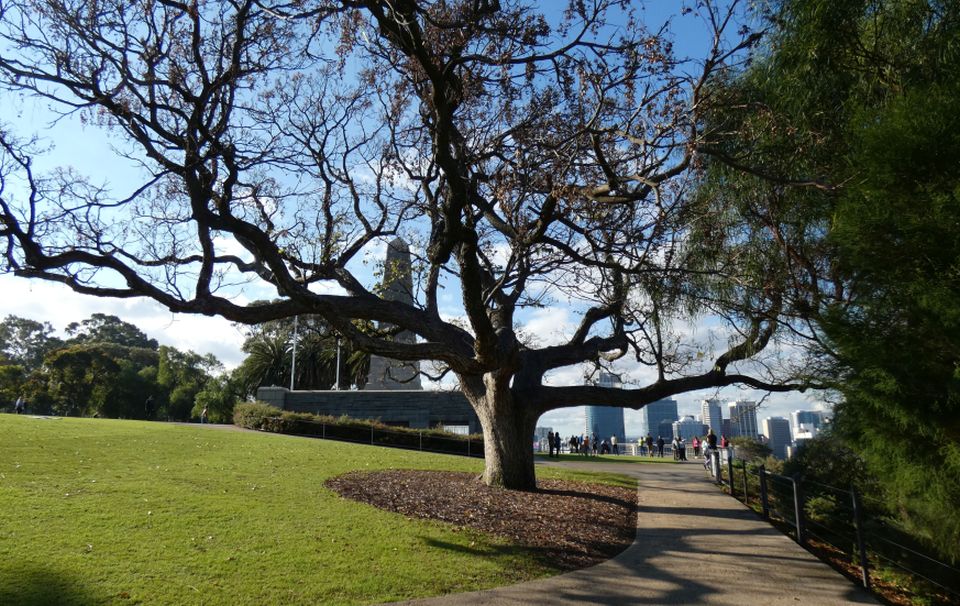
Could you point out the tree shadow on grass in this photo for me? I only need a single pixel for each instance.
(28, 586)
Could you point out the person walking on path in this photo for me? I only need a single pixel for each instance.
(683, 448)
(650, 445)
(19, 406)
(696, 446)
(613, 445)
(550, 444)
(557, 443)
(660, 444)
(710, 448)
(203, 415)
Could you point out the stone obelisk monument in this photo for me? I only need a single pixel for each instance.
(397, 286)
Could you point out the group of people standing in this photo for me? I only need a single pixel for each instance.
(701, 447)
(587, 445)
(582, 444)
(649, 446)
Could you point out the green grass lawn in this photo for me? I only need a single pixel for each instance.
(126, 512)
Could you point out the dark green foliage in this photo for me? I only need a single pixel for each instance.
(842, 143)
(898, 233)
(264, 417)
(79, 378)
(103, 328)
(97, 378)
(218, 396)
(251, 415)
(181, 375)
(269, 349)
(109, 369)
(12, 379)
(25, 342)
(750, 450)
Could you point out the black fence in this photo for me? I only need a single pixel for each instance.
(845, 522)
(426, 441)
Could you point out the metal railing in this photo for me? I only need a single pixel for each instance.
(839, 518)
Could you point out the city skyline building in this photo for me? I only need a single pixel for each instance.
(688, 427)
(743, 419)
(656, 418)
(605, 421)
(726, 429)
(807, 422)
(712, 415)
(540, 433)
(777, 431)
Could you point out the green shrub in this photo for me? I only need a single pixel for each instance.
(263, 417)
(823, 510)
(253, 415)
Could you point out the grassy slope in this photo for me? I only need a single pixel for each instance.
(125, 512)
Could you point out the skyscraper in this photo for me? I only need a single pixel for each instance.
(656, 418)
(397, 286)
(688, 427)
(777, 430)
(743, 419)
(808, 421)
(712, 415)
(606, 421)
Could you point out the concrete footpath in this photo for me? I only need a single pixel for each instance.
(694, 545)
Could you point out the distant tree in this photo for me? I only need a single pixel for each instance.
(103, 328)
(12, 379)
(750, 449)
(269, 349)
(126, 395)
(182, 375)
(828, 460)
(79, 378)
(26, 342)
(218, 396)
(267, 363)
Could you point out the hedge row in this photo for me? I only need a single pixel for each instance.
(263, 417)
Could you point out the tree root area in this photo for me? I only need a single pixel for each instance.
(566, 525)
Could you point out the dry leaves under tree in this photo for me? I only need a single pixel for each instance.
(570, 524)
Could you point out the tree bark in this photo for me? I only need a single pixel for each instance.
(508, 427)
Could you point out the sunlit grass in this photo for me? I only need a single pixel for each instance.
(125, 512)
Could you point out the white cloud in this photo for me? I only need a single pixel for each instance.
(58, 305)
(548, 326)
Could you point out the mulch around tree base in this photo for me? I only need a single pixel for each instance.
(569, 525)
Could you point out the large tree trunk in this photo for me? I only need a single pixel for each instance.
(508, 427)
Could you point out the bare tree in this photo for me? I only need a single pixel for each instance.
(527, 157)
